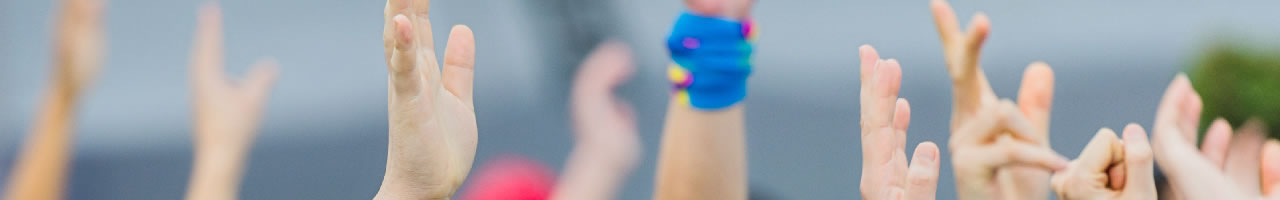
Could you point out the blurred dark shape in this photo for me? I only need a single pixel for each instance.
(1164, 190)
(510, 177)
(758, 192)
(1238, 80)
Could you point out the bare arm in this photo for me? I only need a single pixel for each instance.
(703, 152)
(41, 169)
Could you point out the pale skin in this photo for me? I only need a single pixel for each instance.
(884, 122)
(40, 172)
(432, 137)
(703, 152)
(227, 112)
(973, 94)
(1111, 168)
(1212, 172)
(607, 146)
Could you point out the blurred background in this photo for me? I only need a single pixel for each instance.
(325, 130)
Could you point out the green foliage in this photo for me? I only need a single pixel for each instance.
(1238, 81)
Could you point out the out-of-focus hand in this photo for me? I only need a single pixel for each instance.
(998, 137)
(227, 112)
(607, 146)
(884, 122)
(1227, 168)
(432, 118)
(604, 123)
(1110, 169)
(79, 44)
(972, 93)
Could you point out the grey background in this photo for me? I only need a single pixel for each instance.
(325, 131)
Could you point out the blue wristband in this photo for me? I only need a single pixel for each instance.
(712, 61)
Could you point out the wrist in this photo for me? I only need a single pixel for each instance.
(712, 61)
(395, 187)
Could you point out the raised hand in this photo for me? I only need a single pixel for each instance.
(1110, 169)
(884, 122)
(607, 146)
(1211, 174)
(227, 112)
(432, 118)
(972, 93)
(40, 172)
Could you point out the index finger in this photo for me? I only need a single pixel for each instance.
(207, 52)
(945, 18)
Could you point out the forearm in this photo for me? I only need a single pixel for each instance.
(41, 169)
(591, 174)
(703, 154)
(216, 174)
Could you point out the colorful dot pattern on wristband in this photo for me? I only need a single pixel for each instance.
(712, 61)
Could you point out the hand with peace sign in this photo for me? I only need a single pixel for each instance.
(973, 96)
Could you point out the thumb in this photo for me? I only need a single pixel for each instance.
(922, 175)
(1139, 162)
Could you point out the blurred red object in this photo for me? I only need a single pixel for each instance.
(511, 177)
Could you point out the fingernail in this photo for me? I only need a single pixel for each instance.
(926, 157)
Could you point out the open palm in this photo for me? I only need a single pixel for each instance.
(430, 112)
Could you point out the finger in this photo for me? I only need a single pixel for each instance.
(1190, 117)
(1170, 111)
(1117, 175)
(608, 66)
(868, 57)
(1035, 97)
(994, 121)
(420, 7)
(901, 120)
(1271, 168)
(902, 115)
(262, 76)
(879, 171)
(207, 54)
(884, 93)
(1101, 152)
(1215, 142)
(1243, 154)
(460, 62)
(403, 64)
(1138, 161)
(922, 176)
(945, 18)
(977, 35)
(1019, 153)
